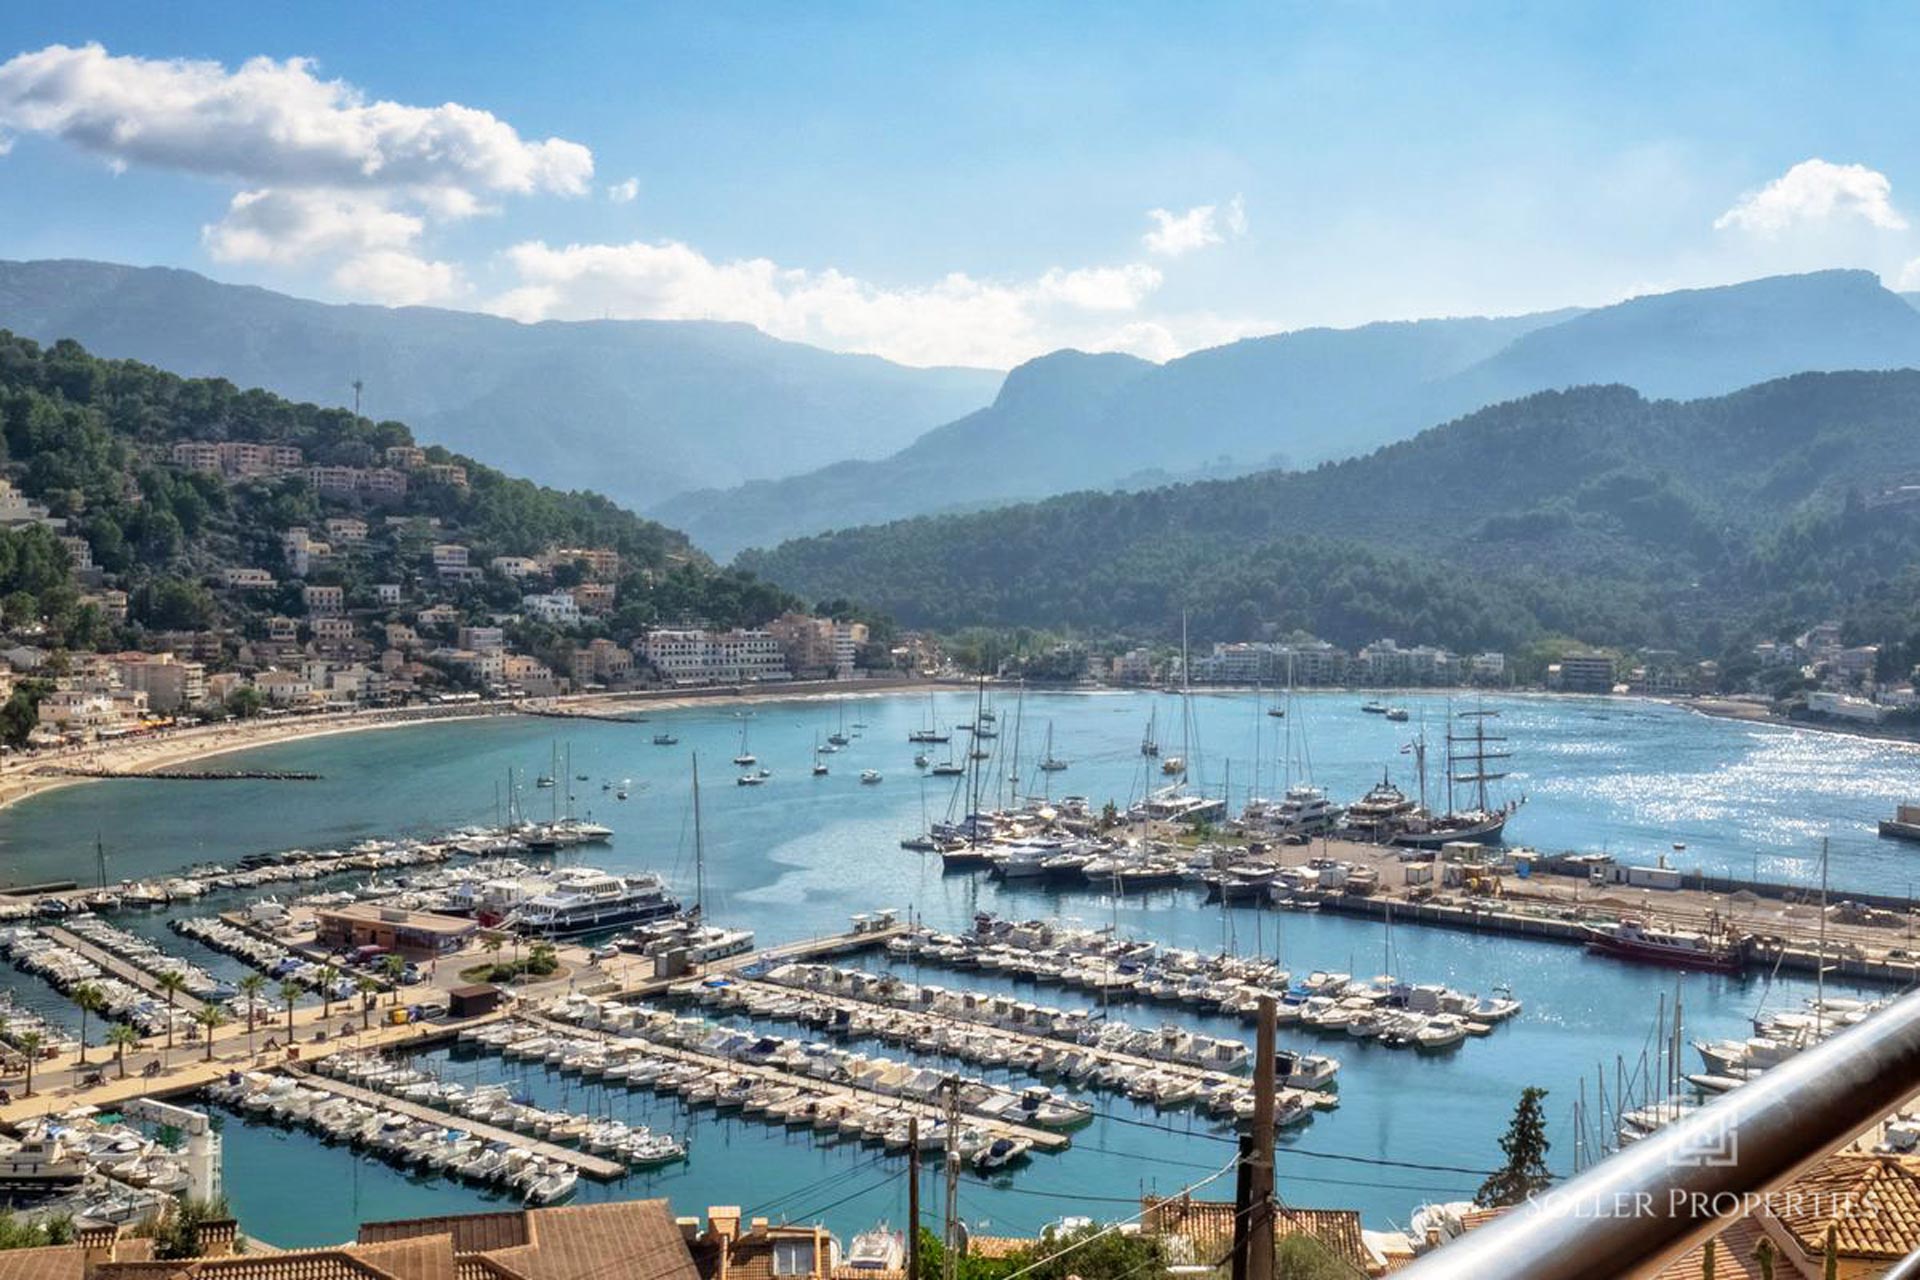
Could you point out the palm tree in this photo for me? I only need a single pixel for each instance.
(366, 986)
(250, 988)
(289, 992)
(492, 945)
(172, 983)
(29, 1043)
(211, 1018)
(122, 1037)
(394, 965)
(328, 975)
(87, 997)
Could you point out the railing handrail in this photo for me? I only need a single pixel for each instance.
(1636, 1211)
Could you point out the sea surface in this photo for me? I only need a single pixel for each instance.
(795, 857)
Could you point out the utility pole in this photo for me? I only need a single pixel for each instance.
(1242, 1201)
(950, 1257)
(1259, 1209)
(913, 1198)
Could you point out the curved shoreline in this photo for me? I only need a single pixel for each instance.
(134, 756)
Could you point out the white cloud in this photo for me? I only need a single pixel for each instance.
(625, 192)
(325, 172)
(290, 226)
(955, 320)
(1236, 217)
(1816, 191)
(273, 123)
(1174, 234)
(399, 278)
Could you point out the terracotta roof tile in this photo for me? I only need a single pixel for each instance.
(1732, 1256)
(1208, 1226)
(1871, 1202)
(997, 1246)
(471, 1232)
(627, 1239)
(51, 1262)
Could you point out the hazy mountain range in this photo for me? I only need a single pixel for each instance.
(638, 410)
(1069, 421)
(743, 440)
(1594, 512)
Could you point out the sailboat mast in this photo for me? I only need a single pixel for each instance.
(1820, 964)
(1186, 704)
(1019, 720)
(699, 848)
(973, 763)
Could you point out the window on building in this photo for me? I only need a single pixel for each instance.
(793, 1257)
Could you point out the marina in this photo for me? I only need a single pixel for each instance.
(789, 860)
(723, 1070)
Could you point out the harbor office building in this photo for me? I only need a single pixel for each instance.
(416, 933)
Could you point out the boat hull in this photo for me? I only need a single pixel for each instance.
(1641, 952)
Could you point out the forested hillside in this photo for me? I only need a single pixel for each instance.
(91, 439)
(1593, 512)
(1299, 399)
(636, 409)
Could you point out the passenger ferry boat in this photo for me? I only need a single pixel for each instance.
(583, 900)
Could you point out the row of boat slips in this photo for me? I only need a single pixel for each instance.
(91, 1169)
(1224, 873)
(800, 1085)
(402, 1139)
(67, 971)
(147, 956)
(63, 1151)
(635, 1146)
(371, 857)
(269, 958)
(20, 1026)
(1149, 1066)
(1169, 1044)
(1424, 1015)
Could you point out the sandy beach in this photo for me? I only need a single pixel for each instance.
(34, 774)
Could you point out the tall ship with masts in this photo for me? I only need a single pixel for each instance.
(1472, 761)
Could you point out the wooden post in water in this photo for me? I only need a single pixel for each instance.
(1260, 1242)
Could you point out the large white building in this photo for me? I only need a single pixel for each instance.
(694, 655)
(556, 607)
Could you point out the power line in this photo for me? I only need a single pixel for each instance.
(1112, 1227)
(1380, 1161)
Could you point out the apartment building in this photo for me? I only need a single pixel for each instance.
(694, 656)
(556, 608)
(170, 685)
(602, 563)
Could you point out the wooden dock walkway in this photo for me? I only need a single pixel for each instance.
(588, 1164)
(119, 968)
(821, 948)
(1206, 1077)
(827, 1090)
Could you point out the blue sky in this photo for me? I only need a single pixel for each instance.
(969, 184)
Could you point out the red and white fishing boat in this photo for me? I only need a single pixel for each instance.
(1632, 939)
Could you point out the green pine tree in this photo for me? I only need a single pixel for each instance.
(1525, 1146)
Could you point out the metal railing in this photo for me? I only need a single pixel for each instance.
(1908, 1268)
(1633, 1213)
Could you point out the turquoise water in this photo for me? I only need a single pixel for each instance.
(796, 856)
